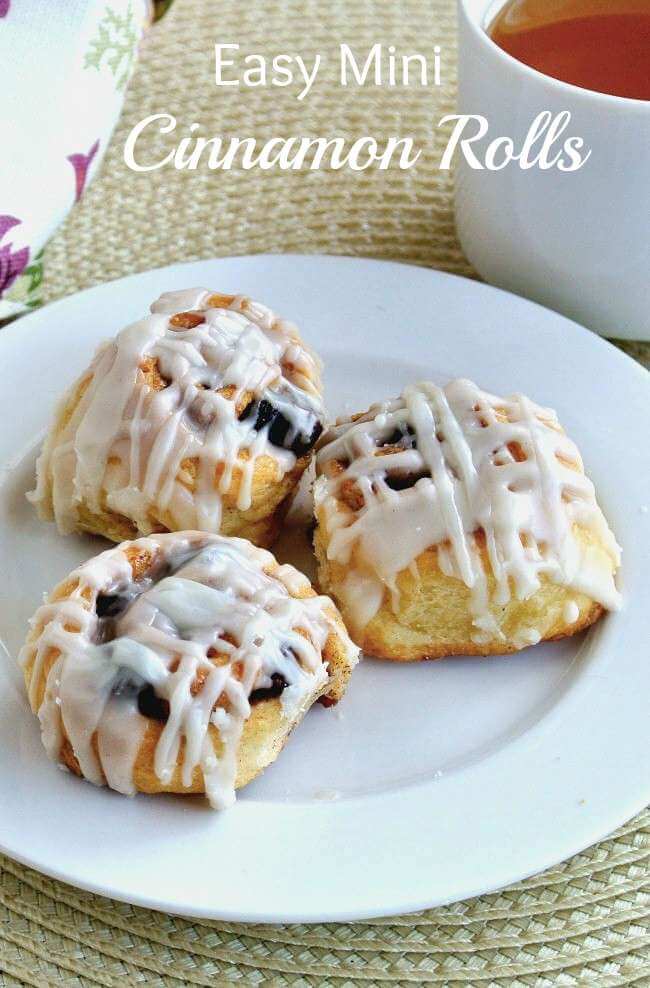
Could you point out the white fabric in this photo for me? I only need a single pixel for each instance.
(64, 68)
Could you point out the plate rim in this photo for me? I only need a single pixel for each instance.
(14, 323)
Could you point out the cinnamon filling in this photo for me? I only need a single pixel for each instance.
(281, 432)
(278, 685)
(152, 706)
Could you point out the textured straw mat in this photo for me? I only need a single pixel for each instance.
(586, 922)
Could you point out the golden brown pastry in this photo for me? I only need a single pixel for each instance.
(201, 416)
(452, 521)
(180, 663)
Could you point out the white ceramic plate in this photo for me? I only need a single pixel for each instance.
(430, 782)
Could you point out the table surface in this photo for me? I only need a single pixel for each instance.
(584, 923)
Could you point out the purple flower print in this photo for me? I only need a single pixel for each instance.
(12, 263)
(81, 163)
(4, 7)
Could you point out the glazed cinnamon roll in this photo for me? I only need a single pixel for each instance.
(180, 663)
(452, 521)
(201, 416)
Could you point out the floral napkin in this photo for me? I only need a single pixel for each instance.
(64, 69)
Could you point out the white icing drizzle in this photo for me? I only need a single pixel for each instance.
(222, 595)
(124, 445)
(477, 463)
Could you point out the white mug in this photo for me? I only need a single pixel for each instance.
(576, 241)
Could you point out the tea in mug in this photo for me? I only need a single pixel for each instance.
(603, 45)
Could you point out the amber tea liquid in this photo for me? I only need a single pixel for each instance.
(603, 45)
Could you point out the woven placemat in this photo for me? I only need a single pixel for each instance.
(584, 923)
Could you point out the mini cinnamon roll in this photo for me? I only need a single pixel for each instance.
(201, 416)
(452, 521)
(180, 663)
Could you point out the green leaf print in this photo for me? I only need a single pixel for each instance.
(25, 289)
(114, 45)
